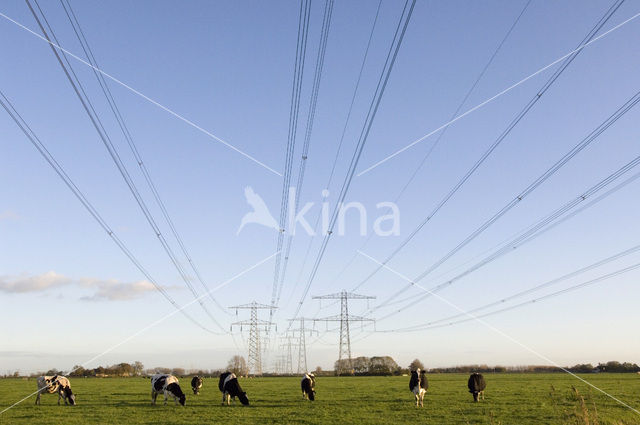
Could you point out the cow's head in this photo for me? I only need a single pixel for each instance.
(70, 395)
(176, 391)
(243, 398)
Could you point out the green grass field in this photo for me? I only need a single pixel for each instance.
(510, 399)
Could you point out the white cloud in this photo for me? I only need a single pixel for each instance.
(103, 289)
(113, 290)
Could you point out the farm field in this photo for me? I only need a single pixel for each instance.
(510, 399)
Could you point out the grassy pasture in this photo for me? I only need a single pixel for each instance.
(510, 399)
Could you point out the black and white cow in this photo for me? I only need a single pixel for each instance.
(476, 386)
(59, 384)
(418, 385)
(308, 385)
(230, 389)
(167, 384)
(196, 384)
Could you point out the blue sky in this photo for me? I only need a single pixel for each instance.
(228, 67)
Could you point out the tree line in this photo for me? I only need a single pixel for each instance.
(359, 366)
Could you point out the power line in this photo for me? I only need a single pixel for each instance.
(143, 96)
(373, 108)
(439, 138)
(532, 232)
(95, 120)
(544, 285)
(73, 20)
(337, 155)
(519, 116)
(42, 149)
(535, 300)
(540, 180)
(527, 235)
(298, 73)
(499, 94)
(569, 216)
(326, 25)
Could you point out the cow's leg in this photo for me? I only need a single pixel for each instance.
(416, 397)
(59, 397)
(223, 397)
(38, 398)
(165, 397)
(154, 395)
(482, 392)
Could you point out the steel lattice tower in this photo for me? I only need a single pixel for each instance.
(288, 366)
(254, 357)
(344, 318)
(302, 343)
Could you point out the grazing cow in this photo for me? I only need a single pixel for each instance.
(230, 389)
(59, 384)
(196, 384)
(308, 385)
(167, 384)
(476, 386)
(418, 385)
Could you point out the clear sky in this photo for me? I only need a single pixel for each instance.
(68, 293)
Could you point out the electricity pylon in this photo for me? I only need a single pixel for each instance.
(344, 318)
(254, 358)
(302, 342)
(288, 366)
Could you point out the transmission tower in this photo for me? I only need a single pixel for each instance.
(302, 343)
(288, 345)
(280, 361)
(254, 358)
(344, 318)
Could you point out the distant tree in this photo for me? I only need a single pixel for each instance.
(360, 365)
(238, 365)
(178, 371)
(383, 365)
(416, 364)
(138, 367)
(342, 367)
(77, 371)
(318, 370)
(582, 368)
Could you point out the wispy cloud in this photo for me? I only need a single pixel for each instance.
(8, 215)
(113, 290)
(103, 289)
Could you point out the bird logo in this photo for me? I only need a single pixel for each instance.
(260, 213)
